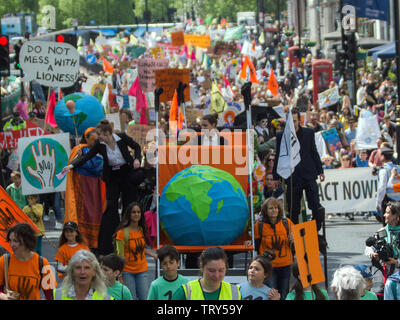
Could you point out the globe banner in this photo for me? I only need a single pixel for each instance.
(203, 196)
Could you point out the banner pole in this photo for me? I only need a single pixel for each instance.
(157, 93)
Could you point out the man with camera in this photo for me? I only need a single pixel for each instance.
(385, 193)
(383, 250)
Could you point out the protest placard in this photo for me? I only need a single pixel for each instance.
(51, 64)
(328, 97)
(10, 215)
(168, 80)
(202, 41)
(332, 140)
(348, 190)
(146, 72)
(41, 159)
(9, 139)
(138, 133)
(177, 38)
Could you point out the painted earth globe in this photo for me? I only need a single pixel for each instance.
(87, 112)
(203, 206)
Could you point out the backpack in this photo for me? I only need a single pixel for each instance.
(285, 224)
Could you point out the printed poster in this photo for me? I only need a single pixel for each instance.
(41, 160)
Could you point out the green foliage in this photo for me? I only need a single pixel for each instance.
(121, 12)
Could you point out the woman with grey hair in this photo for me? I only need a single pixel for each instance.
(348, 283)
(84, 279)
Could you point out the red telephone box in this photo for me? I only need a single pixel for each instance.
(292, 58)
(322, 76)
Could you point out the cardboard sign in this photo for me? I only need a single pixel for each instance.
(168, 48)
(52, 64)
(168, 80)
(307, 252)
(9, 139)
(222, 47)
(138, 132)
(146, 72)
(41, 159)
(10, 215)
(202, 41)
(177, 38)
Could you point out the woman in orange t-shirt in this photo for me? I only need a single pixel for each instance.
(70, 242)
(24, 277)
(131, 244)
(278, 237)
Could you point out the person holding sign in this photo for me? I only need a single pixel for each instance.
(305, 173)
(120, 174)
(274, 232)
(311, 292)
(23, 272)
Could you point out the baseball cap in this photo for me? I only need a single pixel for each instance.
(71, 225)
(364, 270)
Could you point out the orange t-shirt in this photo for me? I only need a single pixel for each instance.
(24, 276)
(276, 240)
(65, 253)
(134, 251)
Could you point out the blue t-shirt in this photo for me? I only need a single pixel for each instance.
(249, 292)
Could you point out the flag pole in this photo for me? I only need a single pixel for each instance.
(246, 92)
(157, 93)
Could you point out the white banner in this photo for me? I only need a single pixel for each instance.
(368, 132)
(348, 190)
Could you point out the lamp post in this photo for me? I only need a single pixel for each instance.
(397, 41)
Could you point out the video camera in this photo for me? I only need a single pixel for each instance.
(378, 242)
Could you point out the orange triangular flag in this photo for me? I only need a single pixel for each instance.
(107, 66)
(175, 115)
(272, 83)
(248, 64)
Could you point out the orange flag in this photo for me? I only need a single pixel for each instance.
(248, 64)
(107, 66)
(175, 115)
(273, 83)
(10, 215)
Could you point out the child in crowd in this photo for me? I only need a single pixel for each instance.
(260, 269)
(34, 211)
(15, 190)
(112, 265)
(163, 287)
(70, 242)
(313, 292)
(367, 275)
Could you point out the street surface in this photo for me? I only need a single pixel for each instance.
(346, 244)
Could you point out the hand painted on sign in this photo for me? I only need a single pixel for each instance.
(45, 165)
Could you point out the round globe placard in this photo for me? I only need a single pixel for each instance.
(203, 205)
(88, 113)
(41, 161)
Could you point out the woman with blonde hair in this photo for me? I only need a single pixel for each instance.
(84, 279)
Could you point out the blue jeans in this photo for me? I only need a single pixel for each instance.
(137, 284)
(279, 280)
